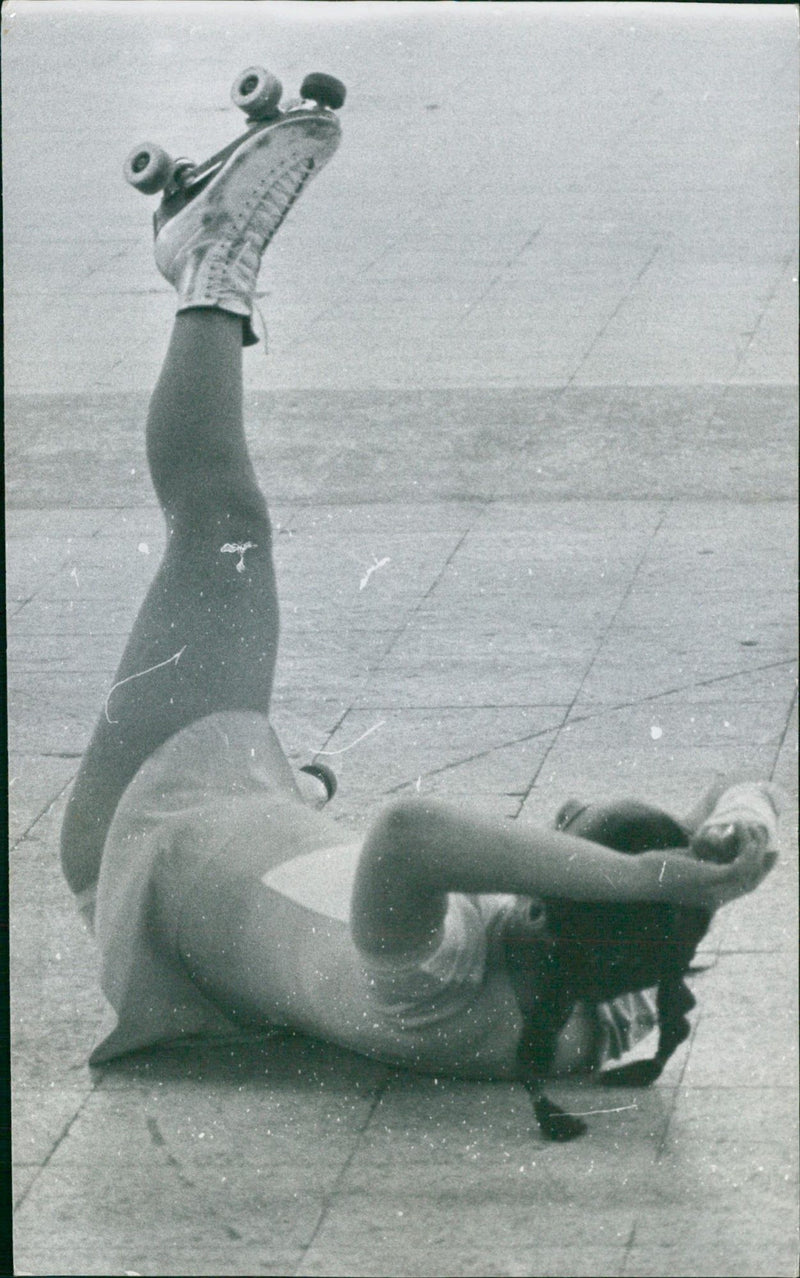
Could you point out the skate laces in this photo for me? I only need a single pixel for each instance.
(282, 194)
(274, 206)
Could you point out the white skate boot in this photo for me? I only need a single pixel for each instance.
(216, 219)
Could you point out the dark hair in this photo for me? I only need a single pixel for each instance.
(596, 951)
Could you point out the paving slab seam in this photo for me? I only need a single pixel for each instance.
(532, 238)
(402, 237)
(786, 265)
(17, 504)
(58, 1141)
(588, 716)
(423, 598)
(498, 277)
(628, 1246)
(577, 719)
(598, 648)
(374, 666)
(679, 689)
(101, 378)
(60, 566)
(784, 735)
(609, 321)
(22, 604)
(14, 845)
(330, 1197)
(459, 705)
(480, 754)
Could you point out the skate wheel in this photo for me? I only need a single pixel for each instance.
(257, 92)
(323, 89)
(182, 172)
(148, 168)
(324, 774)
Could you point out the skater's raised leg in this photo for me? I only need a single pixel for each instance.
(207, 631)
(206, 636)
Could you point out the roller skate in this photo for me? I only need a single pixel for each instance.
(321, 785)
(216, 218)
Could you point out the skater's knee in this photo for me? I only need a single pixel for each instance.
(224, 515)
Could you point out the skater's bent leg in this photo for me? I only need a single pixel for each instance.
(207, 631)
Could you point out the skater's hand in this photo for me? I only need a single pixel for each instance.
(721, 841)
(741, 851)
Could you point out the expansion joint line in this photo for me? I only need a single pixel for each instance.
(601, 642)
(609, 321)
(333, 1191)
(784, 735)
(47, 807)
(406, 622)
(62, 1136)
(786, 265)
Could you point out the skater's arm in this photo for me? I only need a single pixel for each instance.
(419, 851)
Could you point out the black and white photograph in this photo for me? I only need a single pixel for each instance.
(401, 583)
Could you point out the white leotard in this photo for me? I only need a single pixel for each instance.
(223, 903)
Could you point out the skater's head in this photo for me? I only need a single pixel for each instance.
(563, 951)
(613, 948)
(626, 825)
(597, 950)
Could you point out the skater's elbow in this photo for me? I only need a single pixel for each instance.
(401, 842)
(396, 831)
(394, 905)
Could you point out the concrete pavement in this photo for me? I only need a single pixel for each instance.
(531, 349)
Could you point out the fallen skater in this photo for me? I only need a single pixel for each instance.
(464, 945)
